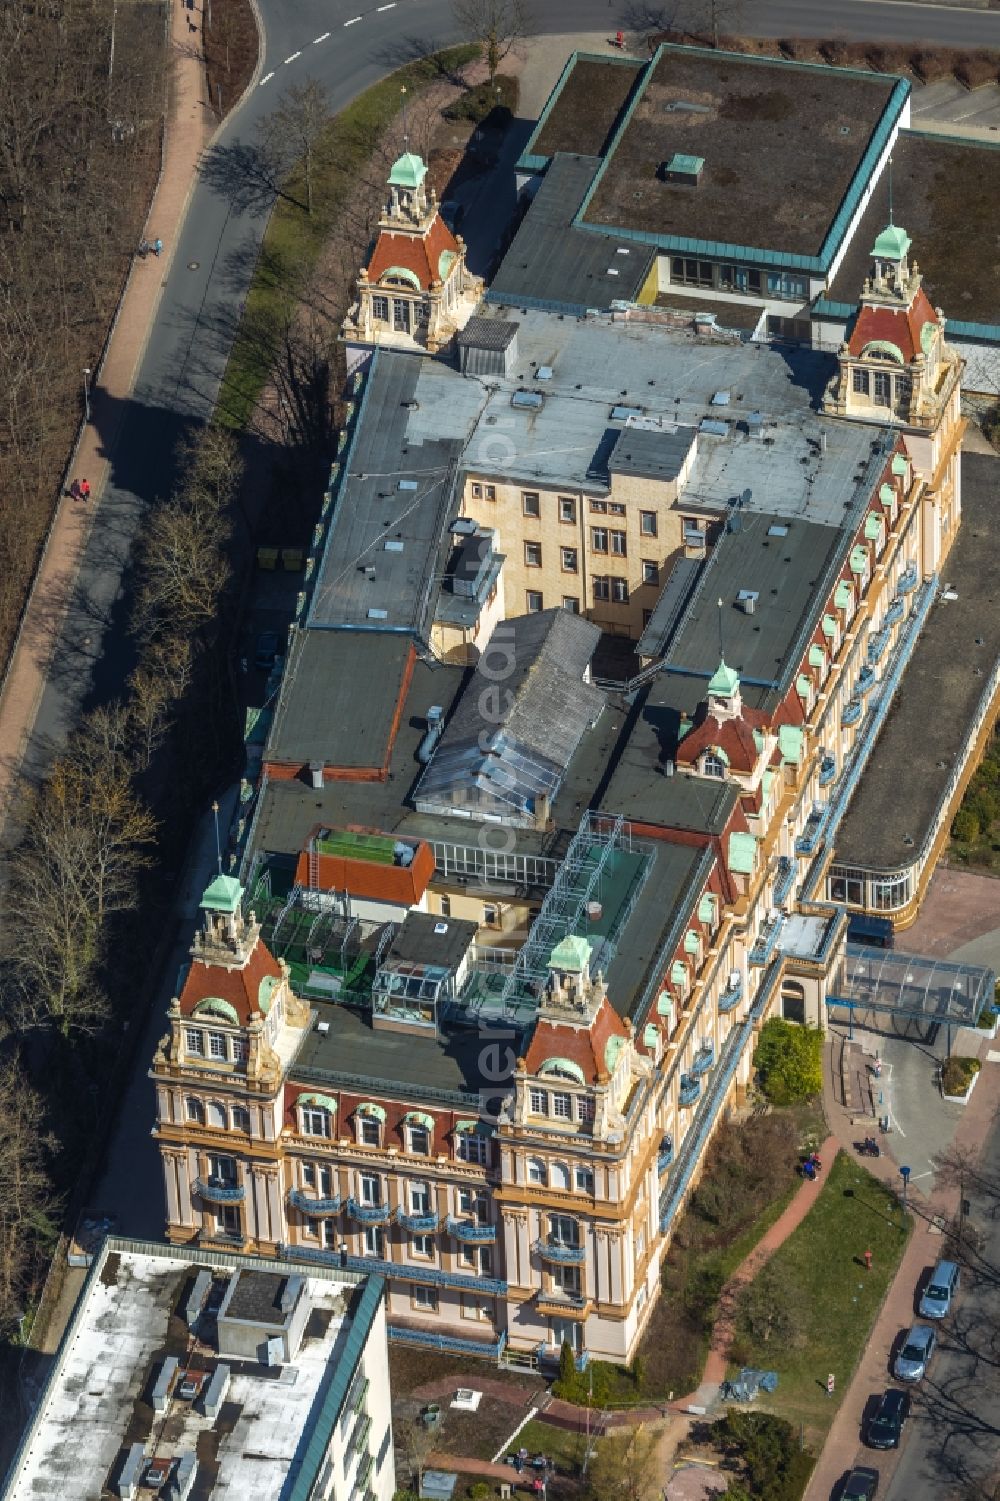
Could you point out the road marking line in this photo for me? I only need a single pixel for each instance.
(381, 8)
(320, 38)
(353, 21)
(266, 79)
(292, 58)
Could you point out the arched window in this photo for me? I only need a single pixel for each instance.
(560, 1176)
(714, 766)
(316, 1121)
(194, 1110)
(217, 1115)
(537, 1172)
(241, 1118)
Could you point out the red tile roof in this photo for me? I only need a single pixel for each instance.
(420, 254)
(901, 327)
(584, 1046)
(240, 987)
(733, 736)
(402, 884)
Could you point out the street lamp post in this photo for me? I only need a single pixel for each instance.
(86, 391)
(904, 1173)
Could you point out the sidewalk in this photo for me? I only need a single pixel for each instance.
(843, 1445)
(189, 126)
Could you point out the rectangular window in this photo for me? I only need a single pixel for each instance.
(647, 523)
(861, 382)
(533, 554)
(315, 1122)
(400, 315)
(882, 388)
(490, 492)
(563, 1231)
(600, 506)
(614, 509)
(194, 1041)
(308, 1175)
(474, 1307)
(618, 544)
(694, 532)
(599, 538)
(602, 588)
(380, 309)
(562, 1106)
(473, 1205)
(477, 492)
(371, 1189)
(330, 1233)
(370, 1131)
(240, 1049)
(372, 1242)
(536, 1171)
(533, 601)
(222, 1170)
(425, 1297)
(216, 1045)
(446, 906)
(539, 1101)
(619, 592)
(568, 557)
(585, 1180)
(584, 1107)
(650, 573)
(566, 1279)
(422, 1245)
(326, 1183)
(491, 915)
(420, 1141)
(567, 509)
(530, 504)
(473, 1148)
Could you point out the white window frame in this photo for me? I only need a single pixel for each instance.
(194, 1042)
(538, 1101)
(314, 1120)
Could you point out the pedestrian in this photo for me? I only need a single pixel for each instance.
(75, 491)
(157, 248)
(830, 1384)
(84, 489)
(868, 1261)
(877, 1067)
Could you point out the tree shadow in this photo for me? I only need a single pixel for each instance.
(248, 176)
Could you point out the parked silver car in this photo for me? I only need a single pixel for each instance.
(940, 1290)
(913, 1359)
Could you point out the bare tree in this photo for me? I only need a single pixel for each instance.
(626, 1467)
(497, 25)
(417, 1442)
(297, 127)
(27, 1203)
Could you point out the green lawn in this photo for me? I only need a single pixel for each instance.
(293, 240)
(565, 1448)
(833, 1299)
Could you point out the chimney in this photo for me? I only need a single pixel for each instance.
(316, 775)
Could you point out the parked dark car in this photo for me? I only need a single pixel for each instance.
(860, 1485)
(886, 1423)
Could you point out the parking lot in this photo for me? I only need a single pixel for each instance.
(950, 108)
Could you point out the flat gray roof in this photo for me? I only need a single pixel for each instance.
(784, 562)
(802, 464)
(391, 514)
(927, 728)
(426, 938)
(637, 785)
(551, 262)
(641, 939)
(354, 1051)
(652, 455)
(321, 715)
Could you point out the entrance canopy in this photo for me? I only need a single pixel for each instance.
(911, 985)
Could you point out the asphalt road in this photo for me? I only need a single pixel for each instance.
(954, 1433)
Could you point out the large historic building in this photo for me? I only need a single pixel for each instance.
(501, 930)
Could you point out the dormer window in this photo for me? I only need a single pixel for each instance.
(419, 1129)
(316, 1115)
(369, 1123)
(713, 765)
(194, 1042)
(538, 1102)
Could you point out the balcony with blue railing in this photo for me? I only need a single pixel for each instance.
(877, 644)
(368, 1214)
(851, 712)
(471, 1232)
(866, 679)
(665, 1155)
(827, 771)
(702, 1061)
(767, 940)
(895, 611)
(908, 579)
(417, 1224)
(219, 1191)
(450, 1344)
(557, 1250)
(313, 1206)
(409, 1271)
(813, 830)
(732, 995)
(690, 1089)
(784, 879)
(358, 1438)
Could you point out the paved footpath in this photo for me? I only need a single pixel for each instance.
(189, 126)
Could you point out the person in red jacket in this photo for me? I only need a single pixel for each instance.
(84, 489)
